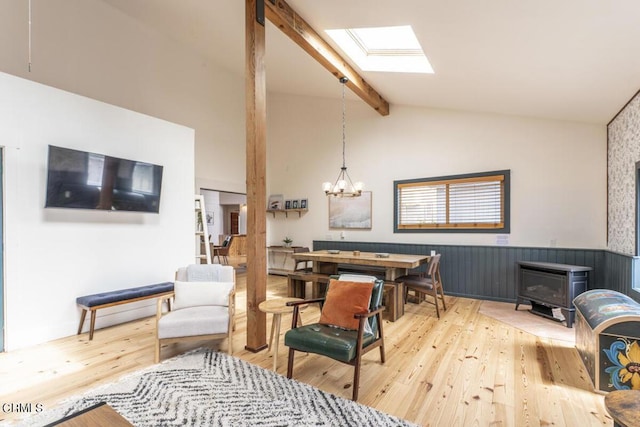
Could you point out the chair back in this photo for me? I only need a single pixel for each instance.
(206, 273)
(376, 301)
(434, 262)
(304, 263)
(376, 294)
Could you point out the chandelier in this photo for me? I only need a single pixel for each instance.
(343, 186)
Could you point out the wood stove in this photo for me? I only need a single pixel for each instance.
(547, 286)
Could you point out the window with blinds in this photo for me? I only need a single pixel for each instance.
(464, 203)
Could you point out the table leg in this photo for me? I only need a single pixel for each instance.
(273, 326)
(399, 300)
(392, 273)
(325, 267)
(276, 321)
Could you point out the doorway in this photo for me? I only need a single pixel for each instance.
(234, 221)
(226, 212)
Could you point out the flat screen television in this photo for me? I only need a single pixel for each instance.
(83, 180)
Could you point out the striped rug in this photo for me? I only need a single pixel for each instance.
(207, 388)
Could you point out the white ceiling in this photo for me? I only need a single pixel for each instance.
(562, 59)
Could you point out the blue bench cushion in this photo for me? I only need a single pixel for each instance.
(124, 294)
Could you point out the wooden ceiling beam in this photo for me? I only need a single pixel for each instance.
(298, 30)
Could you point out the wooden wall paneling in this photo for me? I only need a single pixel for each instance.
(489, 272)
(620, 272)
(635, 278)
(511, 278)
(483, 257)
(469, 274)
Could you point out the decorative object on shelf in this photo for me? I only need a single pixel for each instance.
(343, 186)
(276, 202)
(287, 242)
(350, 213)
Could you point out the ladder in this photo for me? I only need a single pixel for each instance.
(202, 233)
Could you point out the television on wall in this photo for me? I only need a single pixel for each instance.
(83, 180)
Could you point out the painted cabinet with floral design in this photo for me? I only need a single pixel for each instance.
(608, 339)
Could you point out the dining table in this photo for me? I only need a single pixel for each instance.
(395, 265)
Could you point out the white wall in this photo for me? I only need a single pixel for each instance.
(92, 49)
(53, 256)
(212, 207)
(558, 169)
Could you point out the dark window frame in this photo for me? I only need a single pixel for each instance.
(506, 204)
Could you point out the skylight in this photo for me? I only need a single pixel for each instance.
(390, 49)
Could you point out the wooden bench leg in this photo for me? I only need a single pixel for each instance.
(93, 324)
(82, 316)
(290, 287)
(318, 289)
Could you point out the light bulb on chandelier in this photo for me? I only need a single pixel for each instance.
(343, 186)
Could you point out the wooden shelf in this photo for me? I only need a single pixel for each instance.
(286, 211)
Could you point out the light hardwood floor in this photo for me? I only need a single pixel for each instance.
(465, 369)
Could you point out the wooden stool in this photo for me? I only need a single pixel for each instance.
(624, 407)
(277, 307)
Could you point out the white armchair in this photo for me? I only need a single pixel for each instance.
(203, 306)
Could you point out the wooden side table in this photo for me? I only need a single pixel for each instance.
(624, 407)
(277, 307)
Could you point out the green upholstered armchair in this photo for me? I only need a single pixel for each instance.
(344, 345)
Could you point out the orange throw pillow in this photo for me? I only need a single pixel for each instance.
(343, 300)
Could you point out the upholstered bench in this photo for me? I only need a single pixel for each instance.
(121, 296)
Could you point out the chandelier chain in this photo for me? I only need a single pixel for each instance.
(343, 186)
(29, 41)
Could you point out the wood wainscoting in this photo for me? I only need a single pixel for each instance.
(490, 272)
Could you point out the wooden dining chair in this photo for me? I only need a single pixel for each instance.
(302, 265)
(222, 251)
(429, 282)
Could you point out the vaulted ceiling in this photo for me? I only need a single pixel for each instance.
(573, 60)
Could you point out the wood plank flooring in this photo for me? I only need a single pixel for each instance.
(465, 369)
